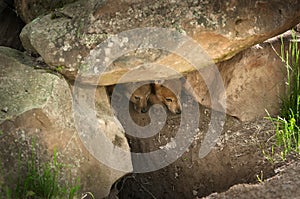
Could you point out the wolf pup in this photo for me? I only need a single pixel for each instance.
(139, 97)
(164, 95)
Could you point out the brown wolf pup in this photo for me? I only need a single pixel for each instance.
(169, 97)
(139, 97)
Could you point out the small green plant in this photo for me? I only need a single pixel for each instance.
(269, 155)
(41, 182)
(59, 68)
(288, 123)
(260, 177)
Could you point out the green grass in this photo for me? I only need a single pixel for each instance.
(288, 122)
(41, 182)
(260, 177)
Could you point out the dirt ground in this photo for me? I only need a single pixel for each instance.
(236, 158)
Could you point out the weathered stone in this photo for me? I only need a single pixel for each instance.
(284, 184)
(253, 80)
(222, 29)
(36, 107)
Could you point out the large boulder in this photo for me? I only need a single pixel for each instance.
(36, 112)
(65, 37)
(254, 81)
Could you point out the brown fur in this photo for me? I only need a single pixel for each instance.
(171, 98)
(140, 97)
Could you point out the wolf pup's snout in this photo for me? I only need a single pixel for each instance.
(139, 97)
(171, 98)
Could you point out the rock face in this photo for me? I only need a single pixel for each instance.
(284, 184)
(253, 81)
(66, 37)
(36, 111)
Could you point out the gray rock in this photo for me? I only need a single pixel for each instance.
(36, 111)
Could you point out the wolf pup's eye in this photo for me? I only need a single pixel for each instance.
(169, 99)
(137, 97)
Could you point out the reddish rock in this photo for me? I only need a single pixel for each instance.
(254, 82)
(65, 37)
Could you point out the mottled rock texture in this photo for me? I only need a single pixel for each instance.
(283, 185)
(36, 112)
(66, 36)
(254, 81)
